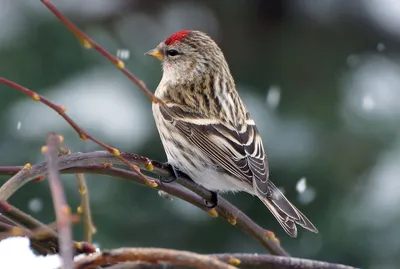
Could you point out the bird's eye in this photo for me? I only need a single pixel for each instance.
(172, 52)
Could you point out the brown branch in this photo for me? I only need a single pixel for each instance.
(149, 258)
(87, 42)
(152, 255)
(63, 211)
(143, 265)
(8, 221)
(16, 179)
(23, 219)
(13, 216)
(84, 209)
(92, 162)
(82, 133)
(266, 261)
(6, 224)
(11, 230)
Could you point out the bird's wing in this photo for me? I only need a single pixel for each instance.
(239, 152)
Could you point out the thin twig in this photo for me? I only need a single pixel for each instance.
(63, 211)
(92, 162)
(84, 209)
(7, 220)
(38, 245)
(152, 255)
(87, 42)
(82, 133)
(24, 219)
(14, 216)
(17, 178)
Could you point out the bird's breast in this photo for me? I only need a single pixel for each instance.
(161, 89)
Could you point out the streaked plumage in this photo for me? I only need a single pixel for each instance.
(206, 130)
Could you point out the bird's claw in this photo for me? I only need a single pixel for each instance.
(174, 175)
(213, 202)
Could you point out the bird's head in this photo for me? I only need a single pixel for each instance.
(189, 54)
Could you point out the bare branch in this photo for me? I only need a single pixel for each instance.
(144, 265)
(82, 133)
(84, 209)
(24, 219)
(152, 255)
(63, 211)
(17, 179)
(87, 42)
(266, 261)
(118, 257)
(49, 244)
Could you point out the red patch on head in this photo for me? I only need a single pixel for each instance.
(176, 37)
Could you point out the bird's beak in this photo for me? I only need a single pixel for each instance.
(156, 53)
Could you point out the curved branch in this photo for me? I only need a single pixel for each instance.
(149, 258)
(93, 162)
(143, 265)
(266, 261)
(152, 255)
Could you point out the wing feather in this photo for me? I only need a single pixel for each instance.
(239, 152)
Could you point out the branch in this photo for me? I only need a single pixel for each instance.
(152, 255)
(88, 43)
(150, 258)
(63, 211)
(92, 162)
(45, 245)
(84, 209)
(143, 265)
(82, 133)
(266, 261)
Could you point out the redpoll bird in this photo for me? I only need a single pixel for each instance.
(206, 130)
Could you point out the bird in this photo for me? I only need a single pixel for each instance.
(206, 130)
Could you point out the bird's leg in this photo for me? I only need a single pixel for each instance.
(174, 175)
(213, 202)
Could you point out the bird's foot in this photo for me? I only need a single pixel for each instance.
(174, 175)
(213, 202)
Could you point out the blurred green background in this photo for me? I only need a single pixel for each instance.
(321, 78)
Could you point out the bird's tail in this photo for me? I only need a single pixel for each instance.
(285, 212)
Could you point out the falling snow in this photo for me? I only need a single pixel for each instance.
(35, 205)
(380, 47)
(273, 96)
(352, 60)
(123, 54)
(368, 103)
(301, 185)
(307, 196)
(165, 195)
(18, 125)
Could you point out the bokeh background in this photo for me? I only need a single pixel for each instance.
(321, 78)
